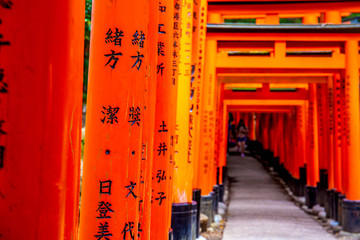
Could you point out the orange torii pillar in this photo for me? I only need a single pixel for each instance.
(313, 158)
(146, 168)
(206, 173)
(331, 194)
(301, 150)
(281, 140)
(221, 140)
(252, 136)
(296, 152)
(41, 71)
(183, 168)
(323, 119)
(276, 140)
(344, 150)
(330, 191)
(351, 204)
(271, 144)
(162, 168)
(265, 130)
(258, 127)
(286, 143)
(198, 49)
(119, 46)
(338, 146)
(174, 80)
(223, 148)
(218, 94)
(291, 148)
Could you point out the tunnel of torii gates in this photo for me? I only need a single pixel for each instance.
(163, 78)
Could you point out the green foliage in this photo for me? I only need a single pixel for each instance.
(82, 148)
(290, 20)
(249, 20)
(88, 8)
(352, 15)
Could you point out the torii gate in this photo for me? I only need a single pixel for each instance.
(319, 69)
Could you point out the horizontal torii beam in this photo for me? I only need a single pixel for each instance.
(278, 7)
(299, 94)
(270, 46)
(261, 109)
(288, 32)
(337, 61)
(276, 78)
(231, 86)
(264, 102)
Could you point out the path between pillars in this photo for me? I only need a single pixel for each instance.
(260, 209)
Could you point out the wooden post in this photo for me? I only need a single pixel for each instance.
(281, 138)
(265, 131)
(165, 100)
(313, 164)
(337, 133)
(41, 71)
(350, 205)
(222, 134)
(352, 113)
(313, 160)
(198, 52)
(146, 164)
(183, 172)
(114, 149)
(206, 169)
(322, 127)
(330, 131)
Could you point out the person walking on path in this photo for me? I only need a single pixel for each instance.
(242, 136)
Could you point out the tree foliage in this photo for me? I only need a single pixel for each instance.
(88, 8)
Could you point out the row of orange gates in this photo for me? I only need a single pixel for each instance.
(138, 164)
(161, 82)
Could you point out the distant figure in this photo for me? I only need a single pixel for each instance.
(242, 136)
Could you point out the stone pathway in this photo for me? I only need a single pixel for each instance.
(260, 209)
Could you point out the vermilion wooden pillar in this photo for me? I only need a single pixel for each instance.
(114, 150)
(222, 138)
(199, 35)
(304, 132)
(195, 91)
(287, 136)
(294, 145)
(313, 160)
(174, 92)
(265, 131)
(165, 100)
(350, 205)
(145, 194)
(352, 114)
(337, 133)
(183, 172)
(323, 120)
(344, 127)
(330, 129)
(322, 127)
(257, 126)
(206, 169)
(252, 127)
(41, 70)
(274, 136)
(299, 153)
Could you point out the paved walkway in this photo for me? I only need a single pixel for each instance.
(260, 209)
